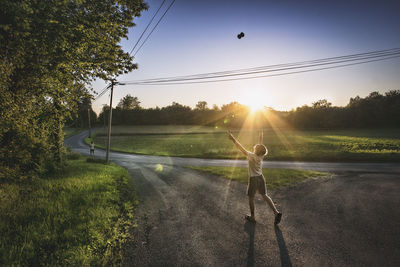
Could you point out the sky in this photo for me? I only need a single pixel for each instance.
(201, 36)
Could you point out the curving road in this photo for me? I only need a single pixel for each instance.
(190, 218)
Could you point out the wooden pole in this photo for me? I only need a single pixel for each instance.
(109, 123)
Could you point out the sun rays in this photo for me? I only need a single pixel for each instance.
(267, 119)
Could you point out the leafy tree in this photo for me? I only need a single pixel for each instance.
(321, 104)
(81, 118)
(49, 52)
(103, 116)
(201, 105)
(129, 102)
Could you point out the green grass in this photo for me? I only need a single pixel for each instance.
(79, 216)
(381, 145)
(68, 132)
(275, 178)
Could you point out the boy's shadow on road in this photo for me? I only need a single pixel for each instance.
(250, 229)
(285, 259)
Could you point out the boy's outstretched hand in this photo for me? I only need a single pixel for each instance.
(237, 144)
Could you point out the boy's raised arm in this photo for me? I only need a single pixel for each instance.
(260, 137)
(237, 144)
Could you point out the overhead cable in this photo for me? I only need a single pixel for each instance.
(318, 64)
(269, 75)
(148, 36)
(148, 24)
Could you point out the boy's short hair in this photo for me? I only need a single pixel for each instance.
(260, 150)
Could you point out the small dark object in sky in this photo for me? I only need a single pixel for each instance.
(240, 35)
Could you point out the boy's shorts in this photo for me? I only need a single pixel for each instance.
(256, 183)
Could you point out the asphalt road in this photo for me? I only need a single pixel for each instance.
(188, 218)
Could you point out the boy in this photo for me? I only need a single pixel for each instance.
(91, 148)
(256, 178)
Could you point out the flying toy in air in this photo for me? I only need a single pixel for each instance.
(240, 35)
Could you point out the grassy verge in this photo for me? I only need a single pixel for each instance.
(78, 216)
(68, 132)
(381, 145)
(275, 178)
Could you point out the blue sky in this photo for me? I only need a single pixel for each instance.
(200, 36)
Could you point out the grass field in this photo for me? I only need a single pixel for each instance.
(275, 178)
(80, 216)
(381, 145)
(68, 132)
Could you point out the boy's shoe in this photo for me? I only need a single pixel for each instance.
(249, 218)
(278, 218)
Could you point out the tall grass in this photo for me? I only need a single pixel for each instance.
(78, 216)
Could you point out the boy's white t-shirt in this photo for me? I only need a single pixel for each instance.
(255, 164)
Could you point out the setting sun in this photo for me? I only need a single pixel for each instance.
(254, 107)
(254, 102)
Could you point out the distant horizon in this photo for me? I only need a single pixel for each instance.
(210, 106)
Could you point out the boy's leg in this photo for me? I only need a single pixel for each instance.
(251, 204)
(251, 191)
(270, 203)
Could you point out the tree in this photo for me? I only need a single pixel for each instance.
(201, 105)
(81, 118)
(322, 104)
(49, 52)
(129, 102)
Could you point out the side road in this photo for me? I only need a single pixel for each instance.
(191, 218)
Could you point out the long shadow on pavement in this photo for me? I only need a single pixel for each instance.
(250, 229)
(285, 259)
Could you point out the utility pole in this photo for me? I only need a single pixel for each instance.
(109, 122)
(113, 82)
(90, 131)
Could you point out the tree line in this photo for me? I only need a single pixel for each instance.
(50, 52)
(373, 111)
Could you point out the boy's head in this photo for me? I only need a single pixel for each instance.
(260, 150)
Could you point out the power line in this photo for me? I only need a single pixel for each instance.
(148, 24)
(102, 92)
(281, 69)
(269, 75)
(105, 89)
(154, 28)
(274, 68)
(207, 77)
(278, 67)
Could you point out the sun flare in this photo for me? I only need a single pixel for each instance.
(255, 99)
(254, 104)
(254, 107)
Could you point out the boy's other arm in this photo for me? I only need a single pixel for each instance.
(260, 137)
(237, 144)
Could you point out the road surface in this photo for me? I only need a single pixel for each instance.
(188, 218)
